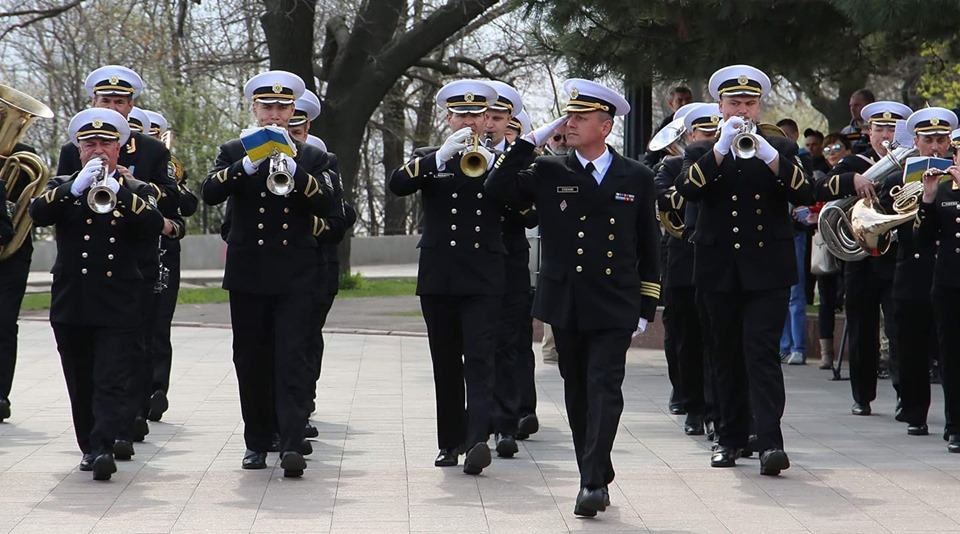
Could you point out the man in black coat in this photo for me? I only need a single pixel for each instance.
(271, 267)
(13, 281)
(95, 308)
(745, 263)
(460, 278)
(599, 273)
(147, 160)
(868, 281)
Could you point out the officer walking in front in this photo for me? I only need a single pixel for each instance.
(745, 262)
(599, 276)
(95, 306)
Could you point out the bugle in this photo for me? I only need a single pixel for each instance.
(279, 181)
(100, 198)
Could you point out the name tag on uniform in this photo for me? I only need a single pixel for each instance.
(624, 197)
(948, 204)
(568, 189)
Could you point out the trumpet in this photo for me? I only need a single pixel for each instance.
(100, 197)
(279, 181)
(474, 163)
(745, 143)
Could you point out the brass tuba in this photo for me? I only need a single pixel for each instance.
(17, 110)
(672, 218)
(669, 138)
(853, 228)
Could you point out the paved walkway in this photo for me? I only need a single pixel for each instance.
(372, 466)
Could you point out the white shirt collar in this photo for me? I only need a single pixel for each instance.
(502, 147)
(600, 165)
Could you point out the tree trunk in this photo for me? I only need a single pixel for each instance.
(394, 126)
(288, 27)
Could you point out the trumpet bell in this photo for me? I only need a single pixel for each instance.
(473, 164)
(101, 199)
(279, 181)
(745, 145)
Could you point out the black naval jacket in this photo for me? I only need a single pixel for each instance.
(96, 279)
(744, 235)
(940, 227)
(461, 249)
(514, 222)
(679, 272)
(271, 249)
(187, 203)
(331, 230)
(600, 258)
(837, 184)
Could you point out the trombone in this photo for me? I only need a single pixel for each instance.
(100, 197)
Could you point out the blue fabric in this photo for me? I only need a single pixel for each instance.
(794, 337)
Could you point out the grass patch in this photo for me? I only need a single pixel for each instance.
(364, 287)
(412, 313)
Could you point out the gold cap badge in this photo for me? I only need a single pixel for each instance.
(114, 80)
(468, 97)
(742, 79)
(277, 87)
(935, 121)
(887, 115)
(574, 93)
(97, 123)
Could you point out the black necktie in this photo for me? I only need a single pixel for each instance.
(590, 168)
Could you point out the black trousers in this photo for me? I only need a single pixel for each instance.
(685, 326)
(829, 300)
(710, 391)
(161, 351)
(947, 314)
(322, 302)
(592, 364)
(863, 301)
(13, 284)
(514, 316)
(746, 328)
(271, 335)
(670, 340)
(526, 363)
(97, 365)
(462, 333)
(139, 386)
(917, 336)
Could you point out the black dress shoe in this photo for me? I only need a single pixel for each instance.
(589, 502)
(954, 444)
(861, 409)
(254, 460)
(158, 405)
(677, 409)
(506, 446)
(724, 457)
(311, 431)
(447, 458)
(306, 448)
(86, 463)
(477, 458)
(772, 461)
(274, 443)
(918, 430)
(123, 450)
(293, 464)
(693, 426)
(4, 409)
(529, 425)
(104, 466)
(140, 428)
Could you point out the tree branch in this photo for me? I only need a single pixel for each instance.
(41, 14)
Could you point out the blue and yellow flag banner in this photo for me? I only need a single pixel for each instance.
(262, 142)
(916, 166)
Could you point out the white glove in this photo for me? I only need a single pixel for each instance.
(541, 134)
(641, 327)
(113, 184)
(251, 167)
(729, 130)
(765, 150)
(491, 158)
(291, 164)
(454, 144)
(86, 176)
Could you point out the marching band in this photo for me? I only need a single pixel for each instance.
(704, 226)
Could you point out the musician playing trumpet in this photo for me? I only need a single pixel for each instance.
(95, 307)
(940, 227)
